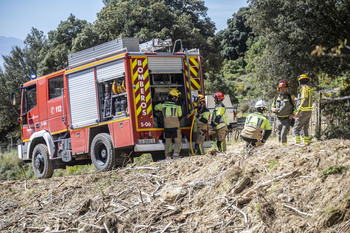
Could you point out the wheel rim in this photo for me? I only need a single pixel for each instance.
(39, 163)
(101, 153)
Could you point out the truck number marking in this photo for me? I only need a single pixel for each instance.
(146, 124)
(56, 109)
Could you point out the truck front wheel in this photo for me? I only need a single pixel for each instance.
(41, 162)
(102, 155)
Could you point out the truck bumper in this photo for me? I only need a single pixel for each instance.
(161, 147)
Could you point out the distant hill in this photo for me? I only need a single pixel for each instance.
(6, 45)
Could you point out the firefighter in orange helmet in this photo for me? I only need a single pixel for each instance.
(219, 121)
(200, 128)
(283, 107)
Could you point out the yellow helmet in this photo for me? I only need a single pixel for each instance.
(199, 98)
(303, 76)
(174, 92)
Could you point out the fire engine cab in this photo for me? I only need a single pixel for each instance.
(100, 108)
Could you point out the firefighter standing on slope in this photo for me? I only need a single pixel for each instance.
(303, 111)
(257, 128)
(172, 114)
(200, 128)
(283, 106)
(219, 121)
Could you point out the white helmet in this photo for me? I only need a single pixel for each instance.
(260, 104)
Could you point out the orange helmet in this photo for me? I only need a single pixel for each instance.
(219, 95)
(282, 83)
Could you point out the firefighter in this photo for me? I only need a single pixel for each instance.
(303, 111)
(257, 128)
(283, 106)
(219, 121)
(172, 114)
(200, 128)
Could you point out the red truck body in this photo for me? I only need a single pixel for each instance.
(100, 108)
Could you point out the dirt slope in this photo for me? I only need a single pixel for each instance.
(273, 189)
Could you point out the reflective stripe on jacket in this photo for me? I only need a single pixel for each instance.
(304, 102)
(220, 112)
(169, 109)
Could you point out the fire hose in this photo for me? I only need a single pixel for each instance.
(192, 128)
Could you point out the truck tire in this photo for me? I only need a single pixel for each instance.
(42, 165)
(102, 153)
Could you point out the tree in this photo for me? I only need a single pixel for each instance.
(18, 66)
(233, 40)
(61, 44)
(148, 19)
(291, 30)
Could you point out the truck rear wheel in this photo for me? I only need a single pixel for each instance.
(41, 162)
(102, 153)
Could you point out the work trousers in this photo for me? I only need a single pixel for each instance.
(200, 137)
(168, 142)
(221, 138)
(302, 124)
(283, 125)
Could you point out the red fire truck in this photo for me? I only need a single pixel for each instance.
(100, 108)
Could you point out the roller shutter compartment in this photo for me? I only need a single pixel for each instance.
(82, 97)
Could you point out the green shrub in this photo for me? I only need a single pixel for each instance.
(11, 167)
(332, 170)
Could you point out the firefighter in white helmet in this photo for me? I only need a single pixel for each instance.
(257, 127)
(172, 113)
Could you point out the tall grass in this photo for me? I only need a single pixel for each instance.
(11, 167)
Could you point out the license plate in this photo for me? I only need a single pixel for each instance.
(146, 141)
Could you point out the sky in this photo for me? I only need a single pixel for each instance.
(17, 17)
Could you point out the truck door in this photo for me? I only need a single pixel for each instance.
(55, 105)
(29, 111)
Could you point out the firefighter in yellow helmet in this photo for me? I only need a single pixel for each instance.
(257, 128)
(219, 121)
(172, 113)
(200, 128)
(303, 111)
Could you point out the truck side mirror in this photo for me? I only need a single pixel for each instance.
(13, 98)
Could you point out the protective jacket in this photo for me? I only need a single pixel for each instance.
(219, 119)
(201, 119)
(254, 126)
(304, 101)
(284, 105)
(171, 113)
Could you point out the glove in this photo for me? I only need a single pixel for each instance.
(263, 141)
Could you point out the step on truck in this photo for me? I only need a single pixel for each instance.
(100, 109)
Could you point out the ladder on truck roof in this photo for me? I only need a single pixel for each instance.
(155, 44)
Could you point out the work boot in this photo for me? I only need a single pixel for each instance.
(306, 140)
(297, 141)
(176, 155)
